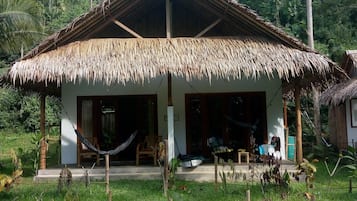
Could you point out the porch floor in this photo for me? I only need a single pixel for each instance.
(203, 172)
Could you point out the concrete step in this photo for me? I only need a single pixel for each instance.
(200, 173)
(101, 170)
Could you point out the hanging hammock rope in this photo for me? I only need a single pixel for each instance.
(115, 151)
(90, 146)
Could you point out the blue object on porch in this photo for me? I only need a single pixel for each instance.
(261, 150)
(291, 148)
(266, 149)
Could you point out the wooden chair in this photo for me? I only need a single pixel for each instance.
(147, 149)
(218, 149)
(85, 153)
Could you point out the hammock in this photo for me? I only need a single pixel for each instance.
(115, 151)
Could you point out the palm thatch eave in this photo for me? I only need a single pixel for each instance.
(118, 60)
(349, 63)
(340, 93)
(347, 89)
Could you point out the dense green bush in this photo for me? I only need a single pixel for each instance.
(20, 112)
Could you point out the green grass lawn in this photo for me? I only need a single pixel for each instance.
(325, 187)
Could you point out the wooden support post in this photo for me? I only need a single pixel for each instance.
(317, 119)
(299, 154)
(170, 108)
(107, 174)
(168, 7)
(169, 90)
(286, 127)
(285, 113)
(215, 172)
(43, 131)
(248, 195)
(166, 170)
(110, 195)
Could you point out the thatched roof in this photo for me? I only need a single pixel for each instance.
(346, 90)
(352, 56)
(76, 52)
(339, 93)
(349, 63)
(123, 60)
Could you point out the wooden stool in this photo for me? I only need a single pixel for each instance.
(245, 154)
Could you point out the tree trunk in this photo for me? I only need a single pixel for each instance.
(310, 29)
(317, 119)
(315, 91)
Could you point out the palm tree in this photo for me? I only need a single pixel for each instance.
(19, 24)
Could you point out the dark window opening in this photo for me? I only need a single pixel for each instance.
(230, 117)
(111, 120)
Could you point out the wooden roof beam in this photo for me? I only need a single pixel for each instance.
(124, 10)
(208, 28)
(222, 16)
(66, 34)
(254, 21)
(99, 18)
(126, 28)
(168, 8)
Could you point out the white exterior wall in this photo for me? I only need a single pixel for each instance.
(180, 87)
(351, 131)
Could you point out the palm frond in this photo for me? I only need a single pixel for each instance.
(19, 23)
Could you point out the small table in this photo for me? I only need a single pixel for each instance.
(244, 154)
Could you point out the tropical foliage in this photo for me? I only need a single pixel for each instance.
(58, 13)
(19, 24)
(335, 27)
(23, 23)
(20, 112)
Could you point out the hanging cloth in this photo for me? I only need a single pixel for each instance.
(275, 141)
